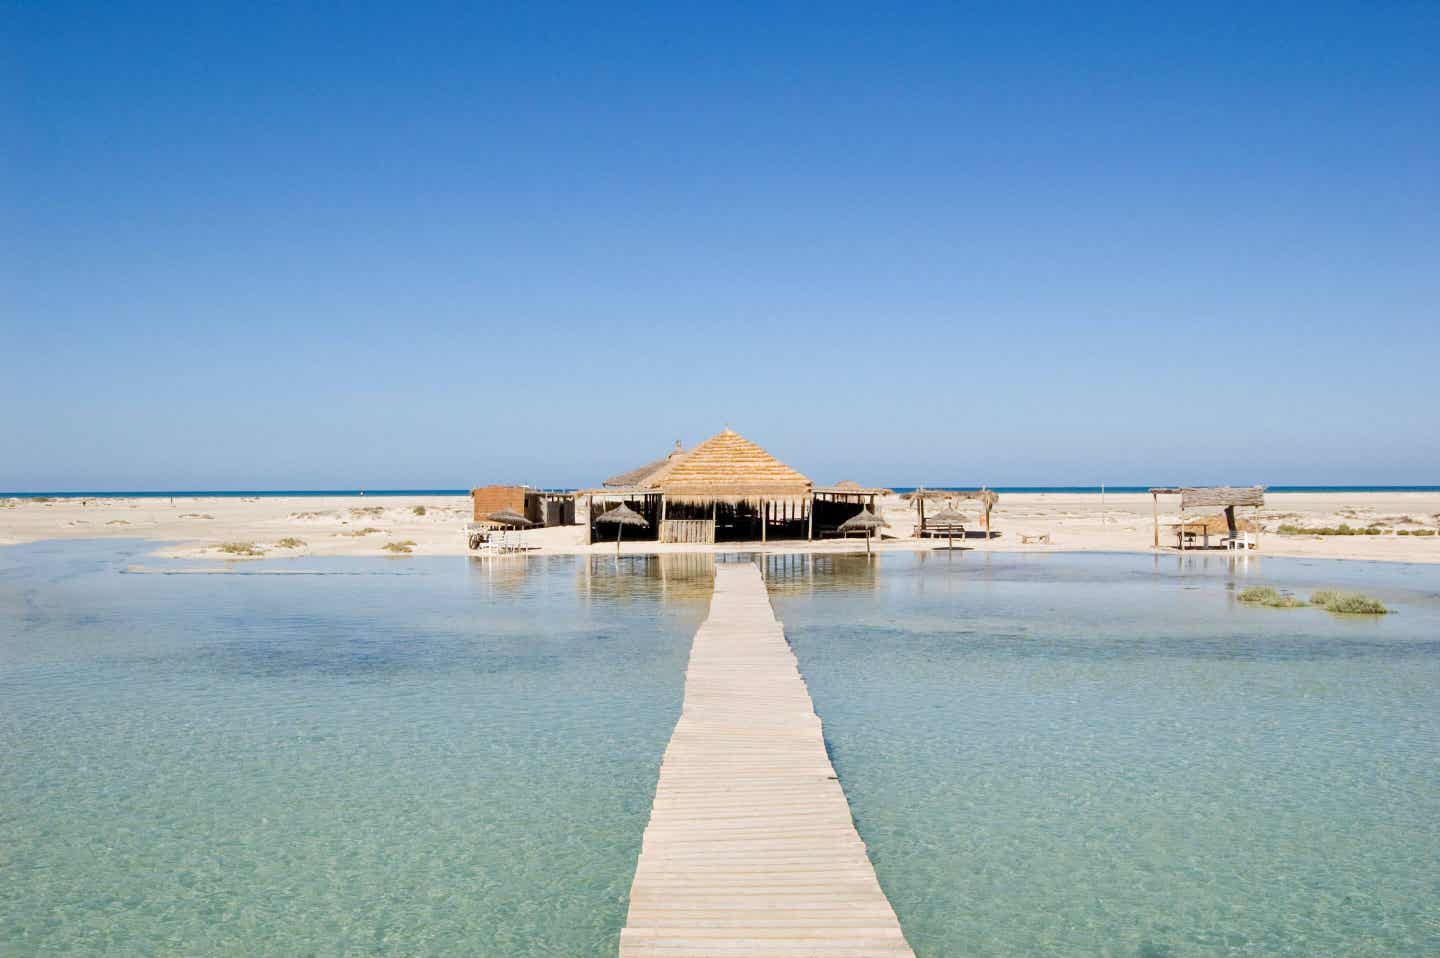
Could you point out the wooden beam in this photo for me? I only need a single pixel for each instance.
(810, 520)
(764, 521)
(1155, 515)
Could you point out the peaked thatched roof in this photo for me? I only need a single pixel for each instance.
(638, 476)
(730, 468)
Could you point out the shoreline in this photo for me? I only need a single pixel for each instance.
(277, 527)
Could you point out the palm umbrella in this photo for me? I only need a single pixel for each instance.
(863, 520)
(508, 517)
(951, 517)
(620, 517)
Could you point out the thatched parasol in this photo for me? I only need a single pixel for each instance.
(620, 517)
(951, 518)
(507, 517)
(863, 520)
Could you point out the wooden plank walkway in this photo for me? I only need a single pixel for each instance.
(751, 850)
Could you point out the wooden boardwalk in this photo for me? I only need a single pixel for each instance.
(751, 850)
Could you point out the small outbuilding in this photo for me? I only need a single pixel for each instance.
(539, 507)
(1226, 498)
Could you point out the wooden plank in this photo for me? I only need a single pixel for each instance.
(751, 849)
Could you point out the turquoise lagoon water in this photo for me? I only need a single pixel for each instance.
(1108, 755)
(400, 757)
(1049, 755)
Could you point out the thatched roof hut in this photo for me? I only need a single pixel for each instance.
(728, 468)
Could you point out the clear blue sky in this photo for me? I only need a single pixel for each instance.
(431, 245)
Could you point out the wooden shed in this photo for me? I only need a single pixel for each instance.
(539, 506)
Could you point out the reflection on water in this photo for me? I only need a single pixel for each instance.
(798, 573)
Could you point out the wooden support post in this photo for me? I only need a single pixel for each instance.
(589, 520)
(764, 521)
(1155, 515)
(810, 520)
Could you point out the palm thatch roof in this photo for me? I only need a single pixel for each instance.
(727, 467)
(948, 516)
(638, 476)
(852, 489)
(508, 517)
(986, 496)
(622, 515)
(864, 519)
(1192, 497)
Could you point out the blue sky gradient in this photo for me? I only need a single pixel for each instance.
(340, 245)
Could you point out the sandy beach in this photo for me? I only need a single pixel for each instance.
(259, 528)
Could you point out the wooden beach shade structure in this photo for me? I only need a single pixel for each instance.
(864, 521)
(986, 497)
(1197, 497)
(729, 488)
(620, 517)
(946, 521)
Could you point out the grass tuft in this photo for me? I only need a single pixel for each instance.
(1343, 529)
(400, 548)
(372, 511)
(289, 542)
(359, 532)
(1270, 598)
(418, 510)
(240, 549)
(1347, 603)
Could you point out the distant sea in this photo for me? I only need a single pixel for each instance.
(278, 493)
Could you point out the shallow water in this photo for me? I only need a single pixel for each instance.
(418, 757)
(1047, 755)
(1108, 755)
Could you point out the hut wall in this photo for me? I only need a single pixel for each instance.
(488, 499)
(740, 521)
(550, 511)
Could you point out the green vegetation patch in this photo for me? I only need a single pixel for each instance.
(418, 510)
(1270, 598)
(290, 542)
(367, 511)
(400, 548)
(1415, 532)
(360, 532)
(240, 549)
(1343, 529)
(1347, 603)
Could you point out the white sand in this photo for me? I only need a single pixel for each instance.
(335, 526)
